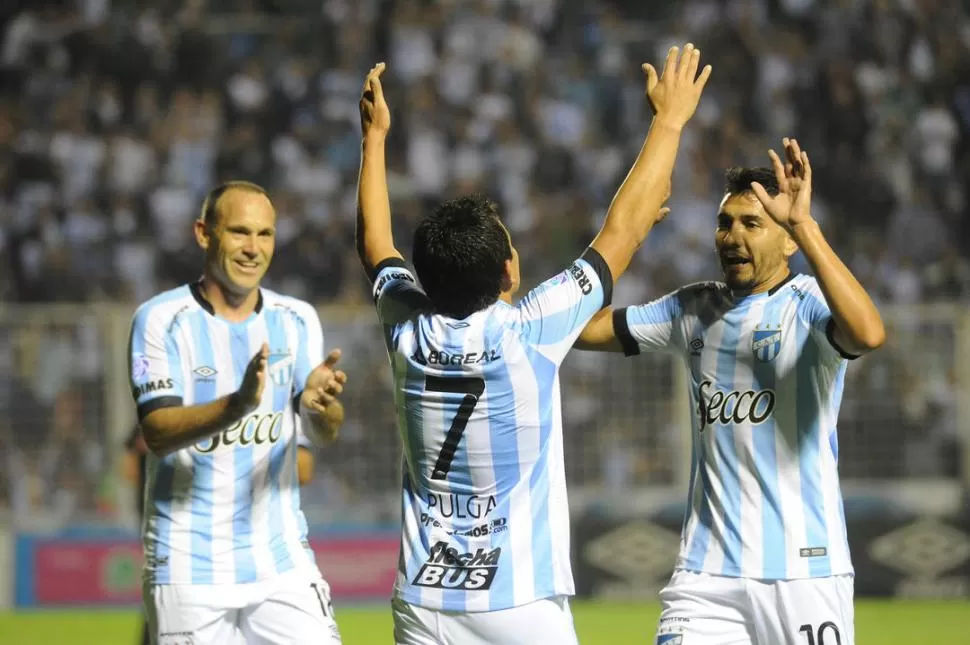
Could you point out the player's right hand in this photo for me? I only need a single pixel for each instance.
(674, 96)
(250, 393)
(375, 117)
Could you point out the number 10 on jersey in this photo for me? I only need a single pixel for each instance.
(472, 388)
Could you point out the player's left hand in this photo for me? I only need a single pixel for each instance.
(792, 205)
(323, 384)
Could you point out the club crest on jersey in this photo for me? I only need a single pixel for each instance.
(766, 342)
(280, 366)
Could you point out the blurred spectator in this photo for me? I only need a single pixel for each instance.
(116, 117)
(120, 117)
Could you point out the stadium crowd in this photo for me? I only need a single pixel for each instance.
(116, 116)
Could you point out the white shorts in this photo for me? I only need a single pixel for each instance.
(717, 610)
(291, 609)
(543, 622)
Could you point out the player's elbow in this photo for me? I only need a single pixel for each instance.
(156, 439)
(874, 337)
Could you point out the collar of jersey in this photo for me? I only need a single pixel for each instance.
(196, 289)
(764, 294)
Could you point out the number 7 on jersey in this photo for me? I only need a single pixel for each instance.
(472, 388)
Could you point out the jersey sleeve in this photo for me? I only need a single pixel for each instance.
(555, 312)
(397, 295)
(154, 363)
(309, 351)
(814, 311)
(302, 441)
(650, 327)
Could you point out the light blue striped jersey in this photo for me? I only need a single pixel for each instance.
(226, 510)
(765, 380)
(485, 514)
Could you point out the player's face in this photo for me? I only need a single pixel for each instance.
(241, 247)
(752, 249)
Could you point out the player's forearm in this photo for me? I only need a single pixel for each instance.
(169, 429)
(856, 317)
(304, 466)
(637, 203)
(375, 240)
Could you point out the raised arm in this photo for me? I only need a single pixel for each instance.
(858, 327)
(636, 206)
(375, 242)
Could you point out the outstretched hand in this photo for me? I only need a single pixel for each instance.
(375, 116)
(675, 94)
(324, 384)
(793, 203)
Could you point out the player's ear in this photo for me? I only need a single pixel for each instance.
(508, 282)
(790, 246)
(201, 234)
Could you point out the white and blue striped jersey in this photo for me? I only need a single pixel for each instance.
(765, 379)
(485, 513)
(227, 509)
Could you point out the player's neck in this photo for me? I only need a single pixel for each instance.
(768, 286)
(225, 304)
(506, 297)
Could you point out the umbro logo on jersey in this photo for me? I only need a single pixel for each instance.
(696, 345)
(458, 325)
(204, 372)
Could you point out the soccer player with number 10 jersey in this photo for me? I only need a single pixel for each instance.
(763, 555)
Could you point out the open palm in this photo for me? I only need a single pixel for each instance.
(792, 205)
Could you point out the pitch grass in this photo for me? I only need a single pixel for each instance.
(598, 623)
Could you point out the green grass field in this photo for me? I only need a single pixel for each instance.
(877, 623)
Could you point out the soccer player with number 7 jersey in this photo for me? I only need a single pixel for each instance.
(485, 539)
(763, 555)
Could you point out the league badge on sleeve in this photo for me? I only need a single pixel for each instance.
(766, 342)
(139, 367)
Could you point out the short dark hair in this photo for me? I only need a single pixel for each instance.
(210, 215)
(737, 181)
(459, 253)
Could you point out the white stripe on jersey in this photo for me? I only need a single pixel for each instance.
(714, 558)
(226, 510)
(766, 384)
(752, 555)
(263, 561)
(485, 512)
(223, 474)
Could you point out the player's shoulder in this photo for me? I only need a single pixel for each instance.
(166, 307)
(301, 310)
(700, 295)
(803, 284)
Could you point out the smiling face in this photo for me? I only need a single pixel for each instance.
(752, 249)
(240, 242)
